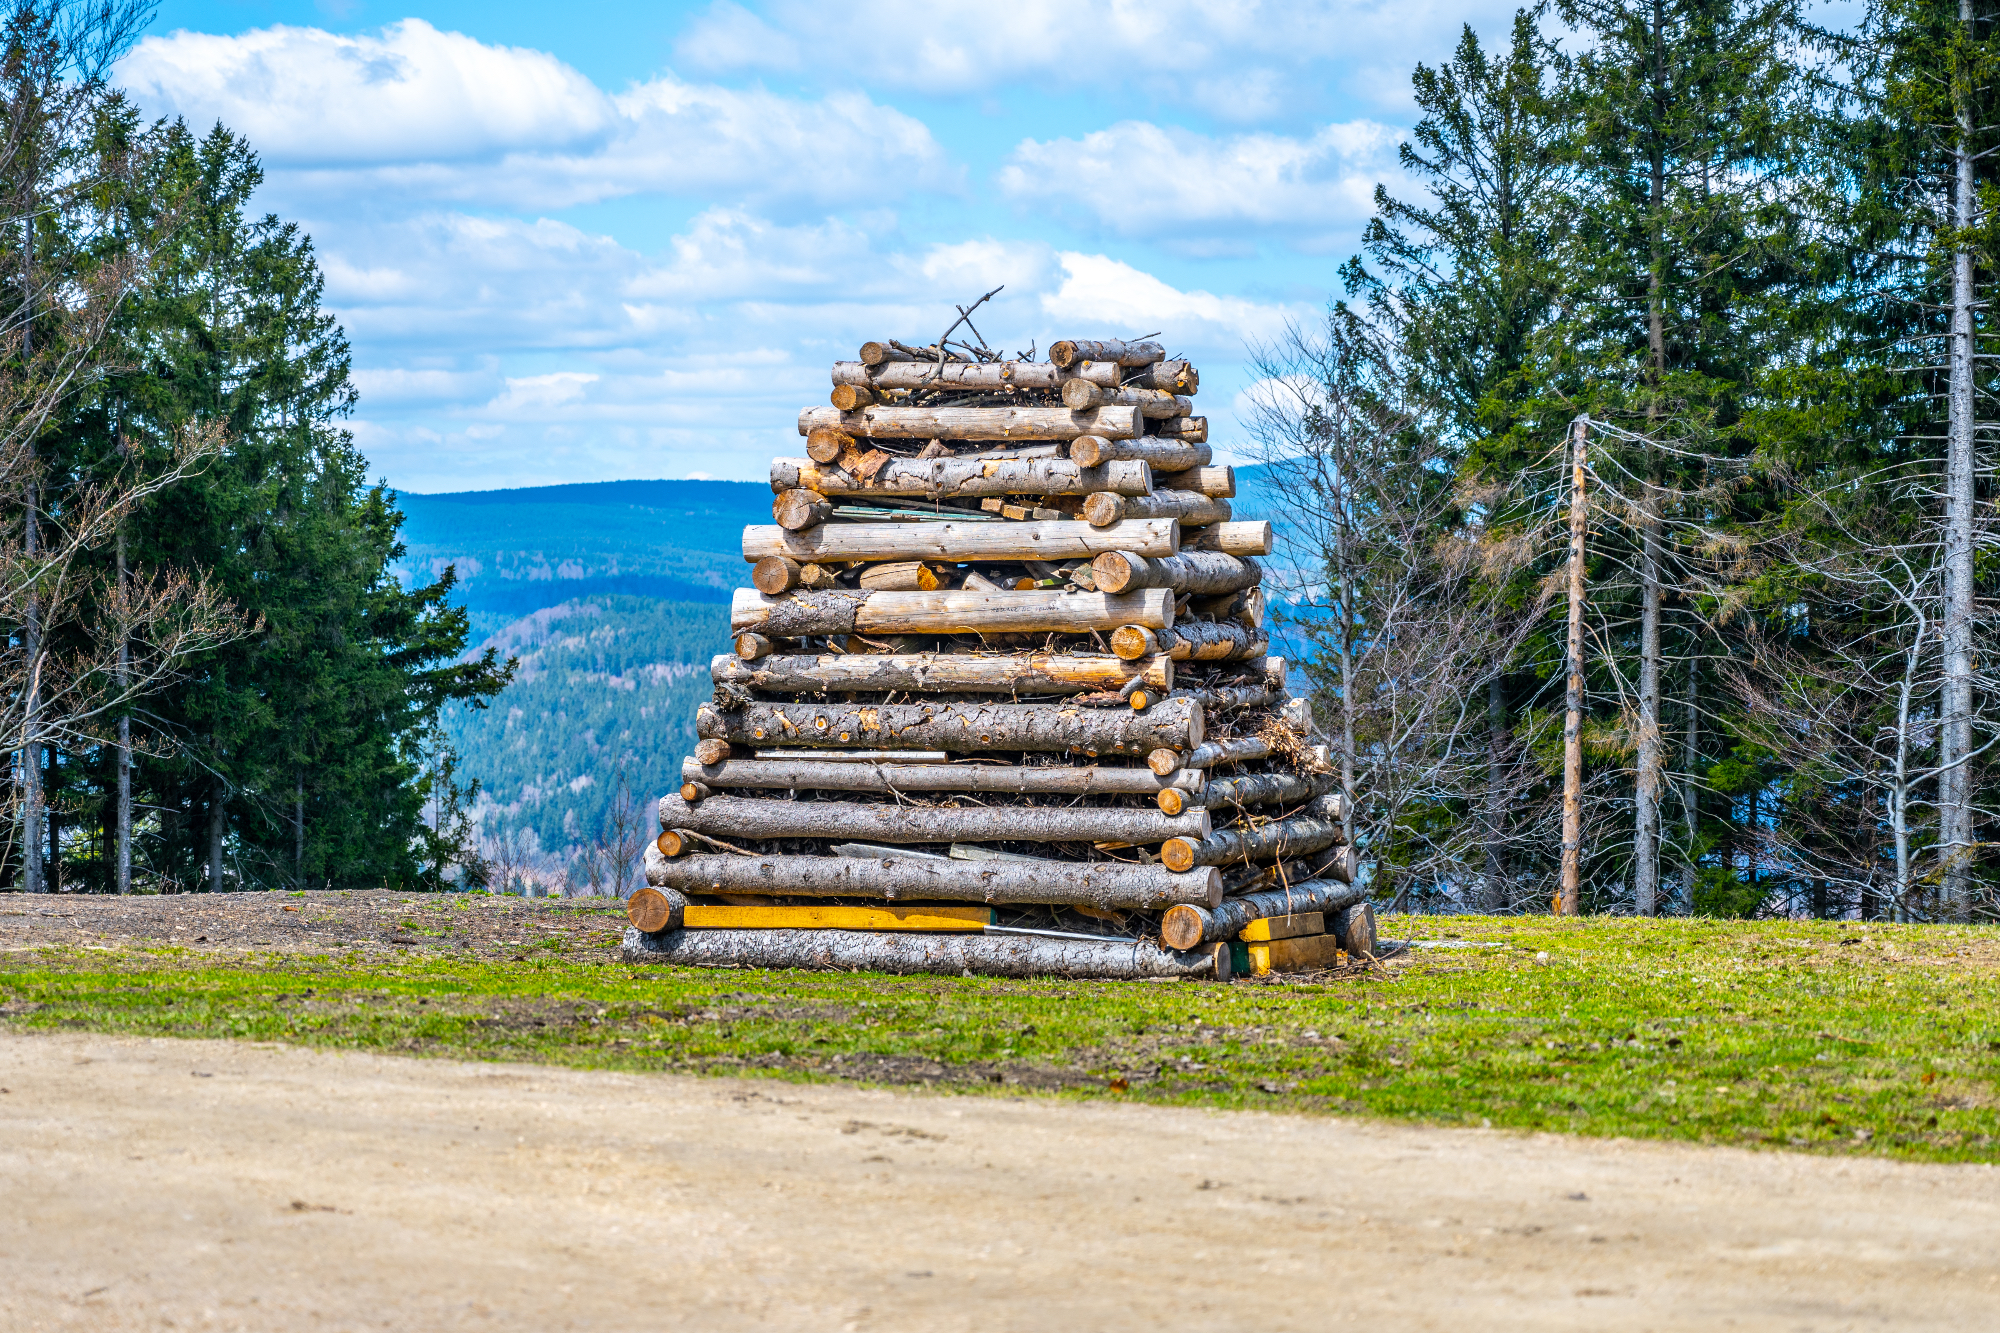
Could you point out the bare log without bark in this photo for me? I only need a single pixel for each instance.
(1286, 837)
(1192, 429)
(1072, 350)
(961, 728)
(1216, 482)
(1081, 395)
(651, 909)
(747, 817)
(1160, 455)
(1051, 541)
(1040, 780)
(907, 955)
(1248, 538)
(967, 478)
(795, 510)
(943, 673)
(980, 423)
(1187, 926)
(797, 615)
(1108, 884)
(899, 576)
(1173, 376)
(1268, 789)
(1105, 508)
(1204, 573)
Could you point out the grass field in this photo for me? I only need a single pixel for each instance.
(1825, 1037)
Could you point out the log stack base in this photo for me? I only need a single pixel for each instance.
(1000, 704)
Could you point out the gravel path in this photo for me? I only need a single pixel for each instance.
(155, 1184)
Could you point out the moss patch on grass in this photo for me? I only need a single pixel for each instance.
(1824, 1037)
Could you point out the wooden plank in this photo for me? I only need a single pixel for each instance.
(1283, 927)
(697, 916)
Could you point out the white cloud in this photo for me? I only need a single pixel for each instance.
(538, 394)
(1112, 299)
(418, 112)
(1305, 187)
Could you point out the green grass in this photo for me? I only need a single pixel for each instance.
(1819, 1037)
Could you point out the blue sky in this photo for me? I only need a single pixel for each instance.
(589, 243)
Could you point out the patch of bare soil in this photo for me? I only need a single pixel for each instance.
(154, 1184)
(472, 925)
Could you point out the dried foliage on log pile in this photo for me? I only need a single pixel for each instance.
(1004, 648)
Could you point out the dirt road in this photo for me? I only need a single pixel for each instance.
(163, 1184)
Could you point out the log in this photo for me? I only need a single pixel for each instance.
(1173, 376)
(1246, 538)
(1202, 572)
(775, 574)
(1033, 780)
(1216, 482)
(1176, 800)
(797, 615)
(1050, 541)
(1106, 508)
(1269, 789)
(874, 354)
(1210, 753)
(1072, 350)
(1230, 698)
(901, 576)
(751, 818)
(920, 954)
(1112, 885)
(711, 751)
(650, 909)
(1245, 606)
(850, 397)
(825, 444)
(960, 728)
(1201, 641)
(1160, 455)
(1354, 927)
(1192, 429)
(969, 478)
(750, 647)
(1184, 927)
(943, 673)
(799, 509)
(971, 376)
(694, 792)
(1081, 395)
(981, 423)
(1298, 836)
(1132, 642)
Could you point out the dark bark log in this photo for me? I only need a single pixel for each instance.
(1051, 541)
(915, 954)
(1080, 395)
(984, 423)
(961, 728)
(943, 673)
(1205, 573)
(1045, 779)
(1354, 927)
(741, 817)
(800, 615)
(1193, 640)
(1185, 927)
(1298, 836)
(1173, 376)
(1072, 350)
(1112, 885)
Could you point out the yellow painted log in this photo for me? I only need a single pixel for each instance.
(1308, 953)
(702, 917)
(1270, 928)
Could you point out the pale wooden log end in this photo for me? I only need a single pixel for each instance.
(1183, 926)
(775, 574)
(750, 647)
(692, 792)
(1103, 509)
(1163, 761)
(671, 843)
(711, 751)
(1132, 642)
(654, 910)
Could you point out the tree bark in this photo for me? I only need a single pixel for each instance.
(1192, 510)
(798, 509)
(1072, 350)
(1955, 833)
(1353, 927)
(916, 954)
(122, 850)
(1215, 482)
(1193, 640)
(1046, 779)
(1186, 926)
(1112, 885)
(980, 423)
(942, 673)
(218, 823)
(1568, 892)
(1268, 789)
(1173, 376)
(751, 818)
(1192, 429)
(971, 376)
(960, 728)
(1014, 611)
(1494, 897)
(1160, 455)
(1237, 751)
(1298, 836)
(1080, 395)
(1204, 573)
(967, 478)
(1245, 538)
(1051, 541)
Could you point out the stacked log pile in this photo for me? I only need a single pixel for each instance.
(1000, 701)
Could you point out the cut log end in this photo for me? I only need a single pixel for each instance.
(1181, 928)
(654, 910)
(713, 751)
(692, 792)
(750, 647)
(1103, 509)
(1140, 701)
(1132, 642)
(796, 510)
(1163, 761)
(1172, 801)
(775, 574)
(671, 843)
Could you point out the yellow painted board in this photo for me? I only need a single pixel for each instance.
(887, 917)
(1285, 927)
(1307, 953)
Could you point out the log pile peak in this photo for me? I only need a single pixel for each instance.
(1001, 700)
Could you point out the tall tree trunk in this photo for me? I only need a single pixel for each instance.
(1569, 894)
(1691, 799)
(299, 827)
(1652, 759)
(1496, 795)
(218, 822)
(1955, 779)
(122, 853)
(31, 630)
(51, 811)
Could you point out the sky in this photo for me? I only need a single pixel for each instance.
(587, 243)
